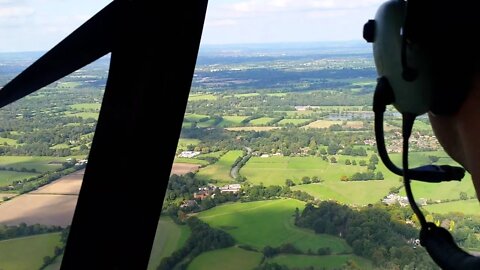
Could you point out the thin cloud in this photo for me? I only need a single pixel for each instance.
(19, 11)
(220, 23)
(257, 21)
(269, 6)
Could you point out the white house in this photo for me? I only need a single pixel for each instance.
(189, 154)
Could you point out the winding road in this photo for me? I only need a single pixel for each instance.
(234, 171)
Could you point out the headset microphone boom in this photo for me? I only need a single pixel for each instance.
(408, 80)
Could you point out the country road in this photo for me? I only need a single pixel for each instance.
(234, 171)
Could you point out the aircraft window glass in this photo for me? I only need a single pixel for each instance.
(45, 138)
(276, 166)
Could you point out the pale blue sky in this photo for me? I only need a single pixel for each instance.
(32, 25)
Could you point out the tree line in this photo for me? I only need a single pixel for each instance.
(203, 238)
(371, 232)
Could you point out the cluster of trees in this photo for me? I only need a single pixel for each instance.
(277, 79)
(260, 192)
(32, 183)
(203, 238)
(58, 250)
(349, 265)
(464, 228)
(370, 231)
(45, 120)
(288, 141)
(288, 248)
(13, 169)
(305, 180)
(22, 230)
(180, 188)
(364, 176)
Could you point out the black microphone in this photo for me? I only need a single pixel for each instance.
(436, 174)
(444, 251)
(384, 96)
(438, 242)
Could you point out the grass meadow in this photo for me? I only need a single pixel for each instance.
(260, 121)
(271, 223)
(168, 238)
(40, 164)
(275, 170)
(287, 121)
(27, 253)
(468, 207)
(232, 258)
(320, 262)
(221, 169)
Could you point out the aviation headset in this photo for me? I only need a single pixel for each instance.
(412, 52)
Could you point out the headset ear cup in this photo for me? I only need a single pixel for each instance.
(411, 96)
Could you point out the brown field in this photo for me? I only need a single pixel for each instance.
(328, 123)
(6, 196)
(183, 168)
(52, 204)
(41, 208)
(67, 185)
(251, 128)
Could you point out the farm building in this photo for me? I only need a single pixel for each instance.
(189, 154)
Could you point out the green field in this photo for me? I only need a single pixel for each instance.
(86, 106)
(261, 121)
(85, 115)
(68, 84)
(221, 169)
(41, 164)
(27, 253)
(194, 117)
(206, 124)
(186, 125)
(60, 146)
(231, 121)
(442, 191)
(7, 141)
(57, 263)
(246, 95)
(233, 258)
(323, 124)
(287, 121)
(190, 161)
(417, 126)
(354, 192)
(168, 238)
(216, 154)
(184, 142)
(320, 262)
(468, 207)
(7, 177)
(293, 114)
(251, 128)
(275, 170)
(195, 97)
(263, 223)
(277, 94)
(438, 191)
